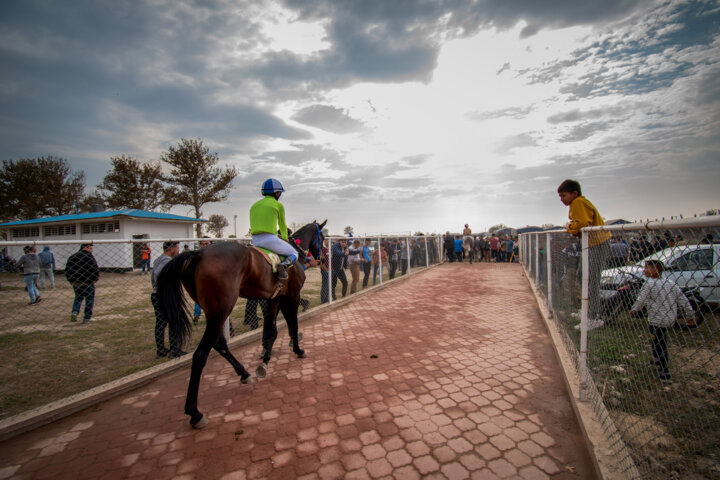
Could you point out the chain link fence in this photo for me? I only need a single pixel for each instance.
(637, 307)
(86, 317)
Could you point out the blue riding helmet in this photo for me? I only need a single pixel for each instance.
(271, 186)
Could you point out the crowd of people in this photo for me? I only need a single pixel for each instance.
(502, 248)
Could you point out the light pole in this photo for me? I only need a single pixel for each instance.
(235, 225)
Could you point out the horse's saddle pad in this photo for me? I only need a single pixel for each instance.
(272, 258)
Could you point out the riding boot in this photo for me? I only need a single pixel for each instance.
(281, 268)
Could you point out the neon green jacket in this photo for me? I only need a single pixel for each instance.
(267, 215)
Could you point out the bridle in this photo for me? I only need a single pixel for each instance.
(316, 241)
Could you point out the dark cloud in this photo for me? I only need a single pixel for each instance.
(329, 118)
(576, 115)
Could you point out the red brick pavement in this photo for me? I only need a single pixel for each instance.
(465, 385)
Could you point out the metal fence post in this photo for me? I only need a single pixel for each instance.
(548, 255)
(427, 254)
(537, 259)
(407, 249)
(584, 316)
(380, 264)
(330, 272)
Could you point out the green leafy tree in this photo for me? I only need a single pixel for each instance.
(497, 227)
(132, 184)
(216, 224)
(92, 201)
(195, 178)
(38, 187)
(348, 231)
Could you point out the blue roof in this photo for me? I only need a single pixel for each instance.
(98, 215)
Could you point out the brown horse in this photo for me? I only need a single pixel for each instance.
(215, 277)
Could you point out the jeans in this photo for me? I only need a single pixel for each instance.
(393, 269)
(324, 286)
(343, 279)
(87, 293)
(404, 265)
(377, 268)
(51, 277)
(658, 343)
(251, 313)
(160, 324)
(145, 264)
(366, 273)
(31, 284)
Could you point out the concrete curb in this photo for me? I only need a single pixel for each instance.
(48, 413)
(605, 461)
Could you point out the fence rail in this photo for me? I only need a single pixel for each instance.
(645, 342)
(47, 356)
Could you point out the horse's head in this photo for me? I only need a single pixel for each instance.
(311, 238)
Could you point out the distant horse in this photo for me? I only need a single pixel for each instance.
(469, 247)
(215, 277)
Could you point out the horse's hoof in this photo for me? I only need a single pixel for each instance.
(247, 380)
(202, 423)
(261, 371)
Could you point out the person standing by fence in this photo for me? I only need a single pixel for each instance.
(47, 267)
(367, 262)
(30, 263)
(82, 271)
(170, 249)
(145, 252)
(339, 254)
(355, 259)
(582, 214)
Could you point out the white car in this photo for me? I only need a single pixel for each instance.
(687, 265)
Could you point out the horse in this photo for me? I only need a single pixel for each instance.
(215, 277)
(469, 247)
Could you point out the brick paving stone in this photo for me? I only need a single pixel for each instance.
(453, 393)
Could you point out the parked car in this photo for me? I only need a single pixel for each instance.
(695, 269)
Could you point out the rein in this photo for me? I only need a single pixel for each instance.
(297, 247)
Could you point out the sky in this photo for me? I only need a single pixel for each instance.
(386, 116)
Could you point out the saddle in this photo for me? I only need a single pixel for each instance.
(271, 257)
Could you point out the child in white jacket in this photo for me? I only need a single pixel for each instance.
(662, 297)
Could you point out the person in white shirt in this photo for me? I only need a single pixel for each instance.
(661, 297)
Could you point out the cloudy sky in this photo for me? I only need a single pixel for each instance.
(389, 116)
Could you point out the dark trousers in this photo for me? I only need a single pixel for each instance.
(366, 273)
(658, 342)
(160, 324)
(459, 256)
(251, 313)
(87, 293)
(404, 264)
(343, 279)
(393, 269)
(324, 286)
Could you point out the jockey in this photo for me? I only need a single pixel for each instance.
(267, 216)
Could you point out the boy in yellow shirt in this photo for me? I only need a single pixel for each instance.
(584, 214)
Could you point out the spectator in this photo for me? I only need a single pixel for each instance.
(379, 260)
(367, 261)
(404, 254)
(449, 247)
(186, 248)
(170, 250)
(494, 247)
(197, 311)
(618, 252)
(679, 240)
(502, 249)
(509, 245)
(82, 271)
(324, 273)
(393, 257)
(251, 314)
(355, 260)
(582, 214)
(30, 263)
(339, 256)
(477, 247)
(47, 267)
(145, 252)
(458, 249)
(663, 298)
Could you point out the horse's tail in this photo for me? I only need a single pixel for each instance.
(171, 302)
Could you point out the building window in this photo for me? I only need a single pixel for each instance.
(105, 227)
(26, 232)
(59, 230)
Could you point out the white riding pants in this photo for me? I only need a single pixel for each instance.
(275, 244)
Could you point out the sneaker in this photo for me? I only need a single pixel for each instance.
(162, 353)
(73, 317)
(37, 300)
(87, 320)
(592, 324)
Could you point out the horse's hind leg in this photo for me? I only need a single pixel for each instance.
(222, 348)
(270, 312)
(209, 339)
(289, 310)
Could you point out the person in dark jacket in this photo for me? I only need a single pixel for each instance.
(82, 271)
(339, 257)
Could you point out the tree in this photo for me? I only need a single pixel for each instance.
(194, 179)
(37, 187)
(92, 201)
(132, 184)
(497, 227)
(348, 231)
(216, 224)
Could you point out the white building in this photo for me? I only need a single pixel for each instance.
(91, 227)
